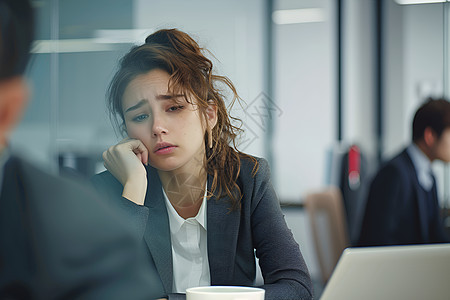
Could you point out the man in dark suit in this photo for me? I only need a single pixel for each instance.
(57, 240)
(402, 206)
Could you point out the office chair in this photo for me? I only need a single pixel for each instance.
(329, 228)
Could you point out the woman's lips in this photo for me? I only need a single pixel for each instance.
(164, 148)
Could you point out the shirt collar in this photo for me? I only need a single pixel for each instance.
(422, 165)
(176, 221)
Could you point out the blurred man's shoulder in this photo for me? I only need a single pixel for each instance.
(37, 180)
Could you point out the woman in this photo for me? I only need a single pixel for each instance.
(202, 206)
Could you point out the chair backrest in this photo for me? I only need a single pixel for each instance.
(329, 227)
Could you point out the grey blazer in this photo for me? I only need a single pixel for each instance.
(233, 236)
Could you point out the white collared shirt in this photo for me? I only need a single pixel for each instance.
(189, 248)
(422, 165)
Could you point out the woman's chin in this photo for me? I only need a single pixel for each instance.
(164, 166)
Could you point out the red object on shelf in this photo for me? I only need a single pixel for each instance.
(354, 167)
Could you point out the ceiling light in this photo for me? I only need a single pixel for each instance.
(403, 2)
(296, 16)
(69, 46)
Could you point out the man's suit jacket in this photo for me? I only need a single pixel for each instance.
(59, 241)
(397, 209)
(232, 236)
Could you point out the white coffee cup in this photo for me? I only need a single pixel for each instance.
(224, 293)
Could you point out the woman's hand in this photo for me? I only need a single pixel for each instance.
(126, 162)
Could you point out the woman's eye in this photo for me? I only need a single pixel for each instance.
(140, 118)
(175, 108)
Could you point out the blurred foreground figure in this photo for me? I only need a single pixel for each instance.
(403, 206)
(57, 240)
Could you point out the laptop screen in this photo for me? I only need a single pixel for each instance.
(391, 272)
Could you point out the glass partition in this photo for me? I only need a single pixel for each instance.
(66, 124)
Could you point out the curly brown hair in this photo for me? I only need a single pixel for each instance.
(190, 74)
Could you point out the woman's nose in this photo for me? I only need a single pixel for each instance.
(159, 126)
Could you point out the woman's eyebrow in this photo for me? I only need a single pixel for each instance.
(168, 96)
(136, 106)
(158, 97)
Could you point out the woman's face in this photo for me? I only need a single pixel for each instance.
(169, 127)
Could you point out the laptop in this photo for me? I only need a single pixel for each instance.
(391, 272)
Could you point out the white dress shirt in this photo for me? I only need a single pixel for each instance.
(422, 165)
(189, 248)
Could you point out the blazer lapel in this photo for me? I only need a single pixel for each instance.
(157, 233)
(421, 200)
(422, 205)
(222, 232)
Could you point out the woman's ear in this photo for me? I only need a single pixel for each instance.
(211, 113)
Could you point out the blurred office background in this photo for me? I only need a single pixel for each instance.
(317, 76)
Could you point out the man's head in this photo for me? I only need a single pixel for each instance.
(431, 129)
(16, 36)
